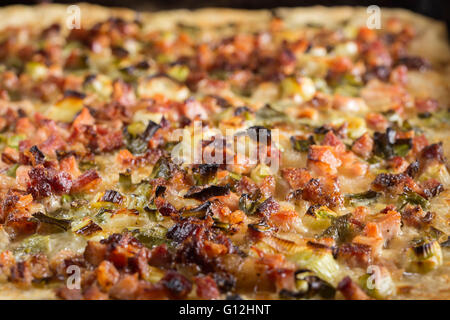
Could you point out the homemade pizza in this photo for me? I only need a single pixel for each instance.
(296, 153)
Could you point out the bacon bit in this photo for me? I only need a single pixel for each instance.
(150, 157)
(108, 140)
(69, 294)
(340, 65)
(267, 186)
(39, 266)
(323, 160)
(374, 241)
(83, 119)
(389, 224)
(323, 191)
(206, 288)
(177, 285)
(140, 264)
(160, 256)
(432, 154)
(414, 63)
(378, 55)
(416, 217)
(21, 274)
(296, 177)
(94, 293)
(418, 143)
(355, 254)
(147, 291)
(377, 122)
(107, 275)
(267, 208)
(398, 163)
(70, 166)
(284, 220)
(125, 157)
(399, 75)
(87, 181)
(7, 261)
(47, 181)
(25, 127)
(62, 260)
(10, 155)
(332, 140)
(394, 183)
(231, 201)
(359, 215)
(192, 110)
(351, 290)
(366, 35)
(205, 56)
(363, 146)
(123, 93)
(120, 248)
(246, 185)
(52, 144)
(95, 252)
(432, 188)
(309, 113)
(126, 288)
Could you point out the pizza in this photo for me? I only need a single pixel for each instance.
(297, 153)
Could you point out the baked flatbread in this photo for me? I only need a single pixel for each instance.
(286, 154)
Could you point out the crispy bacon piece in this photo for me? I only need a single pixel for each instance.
(426, 105)
(70, 165)
(351, 290)
(332, 140)
(416, 217)
(95, 252)
(200, 243)
(363, 146)
(285, 219)
(323, 160)
(39, 266)
(86, 181)
(355, 254)
(177, 285)
(432, 154)
(94, 293)
(394, 183)
(21, 274)
(267, 208)
(123, 93)
(107, 275)
(47, 181)
(160, 256)
(120, 248)
(207, 288)
(323, 191)
(15, 211)
(126, 288)
(376, 122)
(432, 188)
(7, 261)
(69, 294)
(296, 177)
(389, 224)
